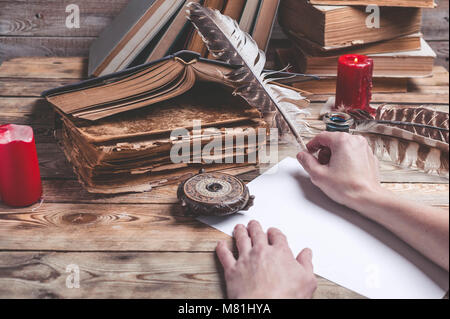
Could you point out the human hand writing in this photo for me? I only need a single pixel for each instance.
(346, 169)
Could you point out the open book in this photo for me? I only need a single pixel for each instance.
(117, 130)
(131, 151)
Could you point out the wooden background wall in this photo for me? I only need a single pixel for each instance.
(37, 27)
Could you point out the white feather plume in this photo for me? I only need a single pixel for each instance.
(281, 107)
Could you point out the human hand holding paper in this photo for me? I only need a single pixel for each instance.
(266, 267)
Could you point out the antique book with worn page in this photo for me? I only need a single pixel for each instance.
(117, 130)
(327, 84)
(417, 63)
(345, 26)
(137, 87)
(388, 3)
(131, 151)
(410, 42)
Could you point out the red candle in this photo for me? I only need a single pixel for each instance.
(354, 83)
(20, 180)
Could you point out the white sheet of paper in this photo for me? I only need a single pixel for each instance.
(348, 249)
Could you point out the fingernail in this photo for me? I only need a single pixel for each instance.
(300, 156)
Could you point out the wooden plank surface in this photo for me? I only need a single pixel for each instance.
(435, 22)
(105, 227)
(127, 275)
(45, 68)
(134, 245)
(432, 194)
(408, 98)
(44, 18)
(70, 222)
(37, 27)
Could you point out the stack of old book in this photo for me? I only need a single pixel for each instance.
(156, 124)
(148, 30)
(322, 30)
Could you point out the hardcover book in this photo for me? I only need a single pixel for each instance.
(346, 26)
(121, 42)
(388, 3)
(409, 64)
(137, 87)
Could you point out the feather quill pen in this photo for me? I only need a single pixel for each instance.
(227, 42)
(415, 137)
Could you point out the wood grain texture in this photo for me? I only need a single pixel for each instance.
(106, 227)
(440, 97)
(441, 49)
(37, 28)
(115, 227)
(11, 47)
(52, 162)
(399, 3)
(128, 275)
(134, 245)
(44, 18)
(435, 22)
(59, 68)
(20, 87)
(431, 194)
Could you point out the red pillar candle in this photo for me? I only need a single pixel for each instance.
(354, 83)
(20, 180)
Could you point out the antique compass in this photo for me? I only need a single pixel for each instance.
(214, 194)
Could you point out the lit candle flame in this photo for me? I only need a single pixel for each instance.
(356, 60)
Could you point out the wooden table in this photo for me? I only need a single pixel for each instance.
(138, 245)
